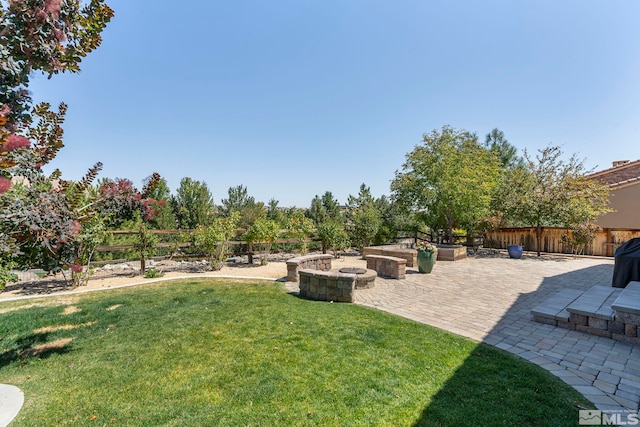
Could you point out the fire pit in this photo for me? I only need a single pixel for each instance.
(365, 278)
(353, 270)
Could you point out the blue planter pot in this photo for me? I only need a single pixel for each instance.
(515, 251)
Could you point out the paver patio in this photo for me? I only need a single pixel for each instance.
(490, 300)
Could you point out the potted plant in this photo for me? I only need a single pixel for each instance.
(427, 254)
(515, 251)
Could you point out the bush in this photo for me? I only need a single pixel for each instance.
(152, 273)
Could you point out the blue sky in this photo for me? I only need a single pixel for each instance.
(295, 98)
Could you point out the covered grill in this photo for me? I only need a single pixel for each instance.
(627, 264)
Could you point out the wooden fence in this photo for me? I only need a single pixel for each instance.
(605, 243)
(121, 247)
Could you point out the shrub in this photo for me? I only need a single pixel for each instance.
(152, 273)
(214, 239)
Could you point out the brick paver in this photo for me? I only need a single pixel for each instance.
(490, 299)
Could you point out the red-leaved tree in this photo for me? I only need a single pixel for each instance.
(46, 221)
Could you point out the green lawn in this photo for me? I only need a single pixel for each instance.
(218, 352)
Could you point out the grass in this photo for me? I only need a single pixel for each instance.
(218, 352)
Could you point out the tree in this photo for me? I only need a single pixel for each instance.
(240, 201)
(274, 213)
(146, 244)
(299, 227)
(449, 179)
(548, 191)
(389, 221)
(193, 204)
(324, 208)
(41, 222)
(51, 37)
(119, 200)
(56, 227)
(332, 235)
(165, 218)
(214, 238)
(507, 153)
(263, 232)
(363, 218)
(316, 211)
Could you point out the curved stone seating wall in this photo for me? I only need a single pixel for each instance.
(312, 262)
(387, 266)
(398, 251)
(333, 286)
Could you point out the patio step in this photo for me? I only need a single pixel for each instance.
(592, 312)
(627, 309)
(554, 310)
(601, 310)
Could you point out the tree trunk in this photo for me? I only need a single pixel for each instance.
(143, 246)
(142, 265)
(538, 237)
(449, 232)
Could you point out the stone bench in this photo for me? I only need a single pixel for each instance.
(387, 266)
(332, 285)
(398, 251)
(627, 312)
(313, 262)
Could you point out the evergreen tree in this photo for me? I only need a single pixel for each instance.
(192, 204)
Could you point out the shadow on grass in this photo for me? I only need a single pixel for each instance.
(488, 390)
(483, 391)
(34, 346)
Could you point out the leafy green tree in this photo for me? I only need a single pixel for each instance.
(580, 236)
(332, 236)
(300, 227)
(549, 191)
(449, 180)
(146, 245)
(264, 233)
(193, 204)
(363, 218)
(214, 238)
(93, 232)
(6, 272)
